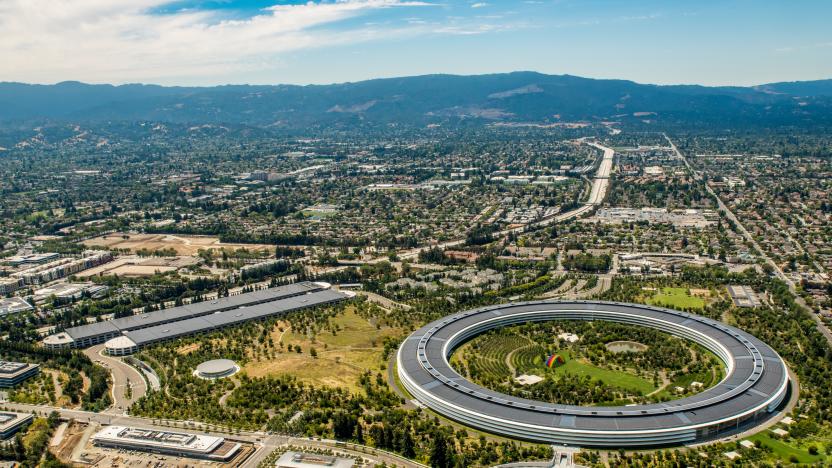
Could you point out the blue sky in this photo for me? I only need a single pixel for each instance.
(206, 42)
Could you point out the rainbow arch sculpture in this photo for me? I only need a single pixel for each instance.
(555, 360)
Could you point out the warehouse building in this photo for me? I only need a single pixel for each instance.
(139, 330)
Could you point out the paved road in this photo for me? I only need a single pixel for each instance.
(748, 237)
(385, 302)
(125, 420)
(123, 375)
(600, 187)
(272, 442)
(265, 443)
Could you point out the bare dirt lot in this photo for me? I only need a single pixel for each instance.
(182, 244)
(134, 266)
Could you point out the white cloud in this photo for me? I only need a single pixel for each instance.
(114, 41)
(479, 5)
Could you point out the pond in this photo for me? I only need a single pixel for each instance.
(626, 347)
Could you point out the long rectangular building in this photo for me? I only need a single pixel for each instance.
(178, 444)
(132, 341)
(153, 326)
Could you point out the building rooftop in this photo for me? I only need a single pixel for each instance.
(8, 367)
(216, 366)
(145, 336)
(13, 305)
(189, 312)
(312, 460)
(158, 439)
(9, 419)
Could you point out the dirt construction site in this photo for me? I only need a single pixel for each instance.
(182, 244)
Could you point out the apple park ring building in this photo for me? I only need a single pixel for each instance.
(756, 380)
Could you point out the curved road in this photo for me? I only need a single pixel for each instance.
(123, 375)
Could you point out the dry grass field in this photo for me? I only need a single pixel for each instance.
(342, 358)
(182, 244)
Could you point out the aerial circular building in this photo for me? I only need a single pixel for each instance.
(216, 369)
(755, 385)
(120, 346)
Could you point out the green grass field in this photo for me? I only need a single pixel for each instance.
(610, 377)
(489, 361)
(708, 379)
(785, 451)
(319, 214)
(677, 298)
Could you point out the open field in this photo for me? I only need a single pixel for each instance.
(676, 297)
(342, 358)
(182, 244)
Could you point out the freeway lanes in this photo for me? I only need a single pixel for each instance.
(600, 183)
(597, 194)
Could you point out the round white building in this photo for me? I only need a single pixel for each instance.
(120, 346)
(755, 385)
(216, 369)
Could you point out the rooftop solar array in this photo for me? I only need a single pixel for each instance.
(150, 319)
(756, 381)
(145, 336)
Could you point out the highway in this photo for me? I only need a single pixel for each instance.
(748, 237)
(597, 194)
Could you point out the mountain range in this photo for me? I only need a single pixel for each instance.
(514, 98)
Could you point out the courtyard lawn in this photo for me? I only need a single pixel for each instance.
(679, 298)
(610, 377)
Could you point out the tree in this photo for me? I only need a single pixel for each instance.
(408, 446)
(343, 425)
(440, 456)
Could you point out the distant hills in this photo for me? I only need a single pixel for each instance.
(520, 97)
